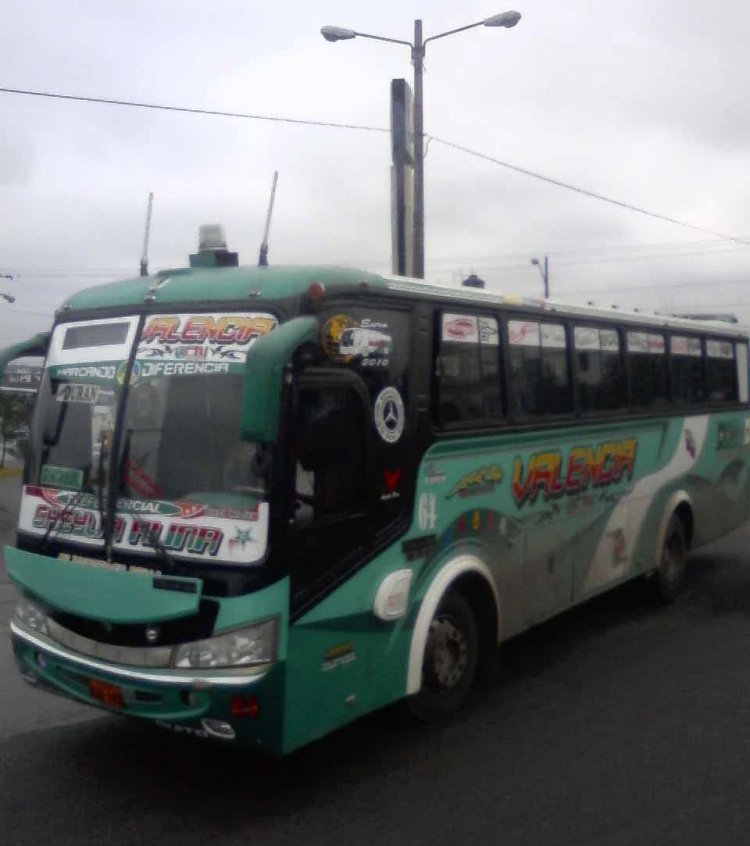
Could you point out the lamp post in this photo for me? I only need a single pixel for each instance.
(545, 274)
(335, 33)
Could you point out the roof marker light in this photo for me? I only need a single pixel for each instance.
(316, 291)
(211, 237)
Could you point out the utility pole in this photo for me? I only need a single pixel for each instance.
(545, 274)
(417, 57)
(337, 33)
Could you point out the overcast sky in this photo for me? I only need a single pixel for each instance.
(643, 101)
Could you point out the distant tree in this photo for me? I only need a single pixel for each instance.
(15, 411)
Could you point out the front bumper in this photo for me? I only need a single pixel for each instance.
(184, 699)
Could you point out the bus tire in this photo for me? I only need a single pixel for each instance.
(450, 661)
(670, 571)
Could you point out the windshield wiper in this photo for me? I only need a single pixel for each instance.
(151, 537)
(100, 479)
(54, 526)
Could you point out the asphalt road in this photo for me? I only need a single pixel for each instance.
(618, 723)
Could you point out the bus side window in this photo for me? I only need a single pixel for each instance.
(540, 378)
(647, 363)
(601, 375)
(720, 371)
(686, 370)
(468, 370)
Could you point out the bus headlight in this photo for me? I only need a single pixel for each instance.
(31, 615)
(241, 648)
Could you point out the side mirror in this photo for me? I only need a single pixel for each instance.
(264, 375)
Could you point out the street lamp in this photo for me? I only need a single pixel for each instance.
(545, 274)
(335, 33)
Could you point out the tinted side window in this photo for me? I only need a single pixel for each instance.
(601, 374)
(331, 463)
(720, 371)
(540, 381)
(468, 370)
(647, 362)
(686, 365)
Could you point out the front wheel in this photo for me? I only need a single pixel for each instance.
(670, 572)
(450, 661)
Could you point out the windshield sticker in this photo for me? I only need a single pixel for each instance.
(91, 371)
(523, 333)
(183, 368)
(344, 339)
(92, 342)
(61, 477)
(460, 327)
(138, 480)
(185, 528)
(241, 537)
(181, 509)
(77, 392)
(488, 331)
(135, 373)
(199, 338)
(389, 415)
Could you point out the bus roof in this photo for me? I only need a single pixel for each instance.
(201, 285)
(214, 285)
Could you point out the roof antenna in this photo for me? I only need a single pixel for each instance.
(144, 257)
(263, 256)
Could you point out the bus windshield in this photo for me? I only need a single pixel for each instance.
(182, 482)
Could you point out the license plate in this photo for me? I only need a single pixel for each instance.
(106, 693)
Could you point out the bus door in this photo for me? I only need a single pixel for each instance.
(331, 455)
(329, 533)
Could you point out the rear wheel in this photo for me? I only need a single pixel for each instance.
(450, 661)
(670, 572)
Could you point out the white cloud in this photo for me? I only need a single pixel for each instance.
(639, 101)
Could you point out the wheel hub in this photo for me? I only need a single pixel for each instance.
(449, 651)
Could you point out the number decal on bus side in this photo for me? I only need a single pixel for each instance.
(427, 514)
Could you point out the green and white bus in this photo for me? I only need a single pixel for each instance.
(259, 503)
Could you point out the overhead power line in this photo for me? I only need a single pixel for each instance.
(586, 193)
(593, 253)
(211, 112)
(307, 122)
(650, 257)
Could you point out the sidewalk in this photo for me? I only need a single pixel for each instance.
(13, 467)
